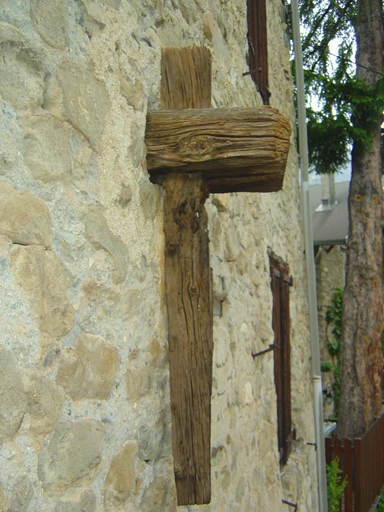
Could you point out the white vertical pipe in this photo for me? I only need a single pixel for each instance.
(310, 260)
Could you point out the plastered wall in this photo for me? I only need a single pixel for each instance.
(85, 421)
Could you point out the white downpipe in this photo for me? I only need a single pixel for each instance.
(310, 260)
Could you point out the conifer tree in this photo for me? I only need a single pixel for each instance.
(351, 113)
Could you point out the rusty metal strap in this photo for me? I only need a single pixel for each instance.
(290, 504)
(271, 347)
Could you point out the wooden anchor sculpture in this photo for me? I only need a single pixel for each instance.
(193, 150)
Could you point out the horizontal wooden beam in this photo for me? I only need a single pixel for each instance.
(235, 149)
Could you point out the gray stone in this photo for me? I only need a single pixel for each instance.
(125, 196)
(3, 498)
(150, 439)
(121, 475)
(155, 496)
(100, 236)
(139, 382)
(21, 496)
(74, 95)
(99, 304)
(88, 369)
(21, 69)
(77, 500)
(48, 154)
(232, 244)
(13, 401)
(75, 448)
(45, 402)
(136, 149)
(49, 20)
(148, 200)
(43, 279)
(24, 218)
(114, 3)
(132, 93)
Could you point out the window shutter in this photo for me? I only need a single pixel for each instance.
(280, 282)
(257, 41)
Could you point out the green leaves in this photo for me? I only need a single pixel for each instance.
(341, 111)
(335, 487)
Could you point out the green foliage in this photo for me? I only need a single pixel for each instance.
(327, 366)
(335, 487)
(333, 316)
(341, 110)
(380, 505)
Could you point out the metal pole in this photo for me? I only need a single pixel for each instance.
(310, 260)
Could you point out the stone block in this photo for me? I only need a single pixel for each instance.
(213, 33)
(121, 475)
(133, 93)
(125, 196)
(75, 448)
(155, 497)
(41, 276)
(100, 236)
(48, 154)
(21, 496)
(49, 19)
(232, 243)
(88, 369)
(76, 96)
(77, 500)
(148, 200)
(139, 382)
(45, 402)
(99, 304)
(3, 498)
(21, 69)
(24, 218)
(13, 401)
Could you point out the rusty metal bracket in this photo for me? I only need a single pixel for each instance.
(271, 347)
(290, 504)
(313, 444)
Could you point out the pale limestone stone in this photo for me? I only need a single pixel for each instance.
(4, 501)
(132, 93)
(24, 218)
(137, 149)
(242, 262)
(121, 475)
(150, 439)
(156, 497)
(43, 279)
(77, 500)
(100, 236)
(156, 354)
(221, 201)
(21, 69)
(232, 243)
(76, 96)
(88, 369)
(98, 304)
(267, 432)
(45, 402)
(21, 496)
(132, 303)
(226, 478)
(125, 196)
(289, 483)
(75, 448)
(240, 490)
(271, 469)
(114, 3)
(13, 401)
(49, 20)
(48, 154)
(213, 33)
(139, 382)
(148, 200)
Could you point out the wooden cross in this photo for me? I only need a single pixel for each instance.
(193, 150)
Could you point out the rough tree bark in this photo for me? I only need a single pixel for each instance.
(361, 359)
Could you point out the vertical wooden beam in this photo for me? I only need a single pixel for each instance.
(186, 83)
(187, 281)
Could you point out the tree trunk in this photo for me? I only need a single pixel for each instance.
(361, 358)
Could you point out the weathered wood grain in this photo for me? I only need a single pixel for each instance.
(237, 149)
(185, 78)
(188, 296)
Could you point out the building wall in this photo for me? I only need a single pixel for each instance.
(330, 274)
(85, 419)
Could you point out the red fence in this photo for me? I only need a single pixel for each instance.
(362, 463)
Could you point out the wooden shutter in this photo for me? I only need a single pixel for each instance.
(280, 282)
(257, 41)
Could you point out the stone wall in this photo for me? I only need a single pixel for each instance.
(85, 420)
(330, 274)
